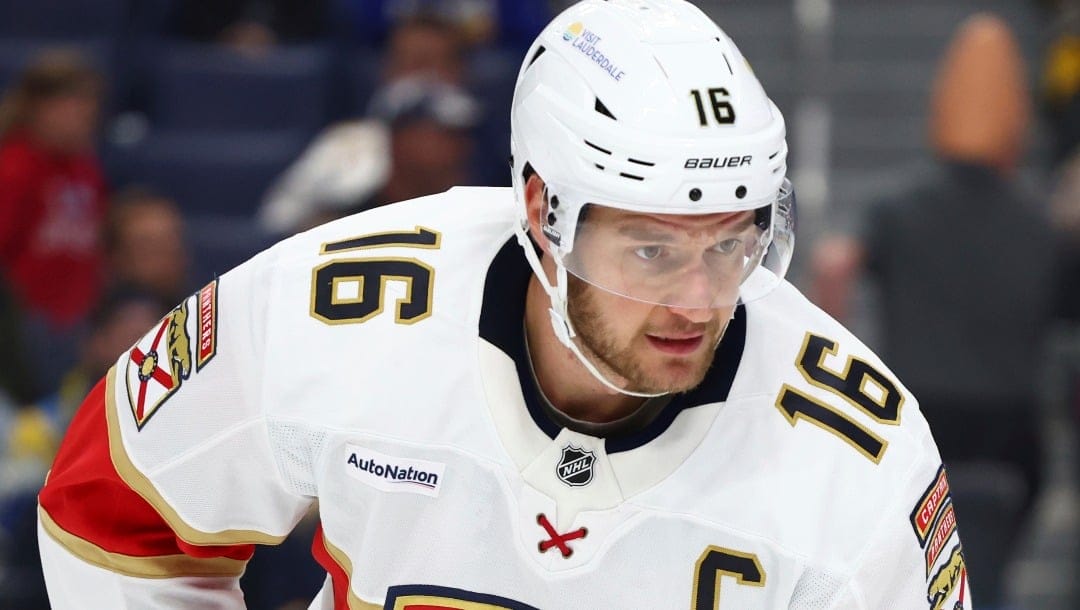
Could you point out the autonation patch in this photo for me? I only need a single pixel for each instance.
(394, 474)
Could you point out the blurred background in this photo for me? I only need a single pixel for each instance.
(147, 146)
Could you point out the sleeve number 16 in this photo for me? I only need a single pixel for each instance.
(859, 384)
(353, 290)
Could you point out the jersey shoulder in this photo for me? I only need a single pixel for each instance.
(818, 423)
(821, 371)
(378, 300)
(324, 330)
(352, 268)
(442, 223)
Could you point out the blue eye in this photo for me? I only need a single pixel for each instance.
(727, 246)
(649, 253)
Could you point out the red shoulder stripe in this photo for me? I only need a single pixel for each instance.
(85, 496)
(338, 575)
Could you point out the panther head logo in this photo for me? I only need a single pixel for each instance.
(179, 344)
(945, 579)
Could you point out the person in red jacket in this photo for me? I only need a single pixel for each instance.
(52, 204)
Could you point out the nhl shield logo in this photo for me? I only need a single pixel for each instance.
(576, 466)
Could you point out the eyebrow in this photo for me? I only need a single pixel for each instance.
(646, 234)
(736, 224)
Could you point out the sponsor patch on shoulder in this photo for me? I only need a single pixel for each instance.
(393, 474)
(929, 505)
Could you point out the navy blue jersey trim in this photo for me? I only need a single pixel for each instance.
(502, 324)
(714, 388)
(450, 595)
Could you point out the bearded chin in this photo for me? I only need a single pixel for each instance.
(624, 365)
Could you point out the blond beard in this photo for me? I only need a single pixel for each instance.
(598, 343)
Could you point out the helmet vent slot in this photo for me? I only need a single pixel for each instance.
(639, 162)
(631, 176)
(773, 156)
(536, 55)
(728, 65)
(603, 150)
(602, 109)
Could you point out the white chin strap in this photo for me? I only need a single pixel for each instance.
(560, 320)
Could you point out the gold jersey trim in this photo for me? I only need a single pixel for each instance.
(158, 566)
(141, 485)
(340, 558)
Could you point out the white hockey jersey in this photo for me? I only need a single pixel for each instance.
(377, 365)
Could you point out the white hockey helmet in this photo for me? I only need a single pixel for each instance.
(646, 106)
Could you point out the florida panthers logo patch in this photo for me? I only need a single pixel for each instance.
(207, 301)
(949, 583)
(182, 343)
(576, 466)
(158, 364)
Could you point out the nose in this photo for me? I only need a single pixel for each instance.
(697, 315)
(696, 291)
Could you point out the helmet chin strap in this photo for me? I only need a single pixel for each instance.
(560, 320)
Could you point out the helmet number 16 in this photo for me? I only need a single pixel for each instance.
(722, 110)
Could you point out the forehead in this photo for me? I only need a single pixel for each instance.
(600, 215)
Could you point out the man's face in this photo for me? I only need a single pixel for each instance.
(433, 157)
(657, 349)
(152, 252)
(693, 265)
(417, 48)
(68, 122)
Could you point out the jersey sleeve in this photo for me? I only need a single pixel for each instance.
(915, 559)
(167, 476)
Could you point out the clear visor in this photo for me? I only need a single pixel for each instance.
(693, 262)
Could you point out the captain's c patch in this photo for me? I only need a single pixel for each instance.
(929, 505)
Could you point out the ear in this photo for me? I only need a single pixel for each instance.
(536, 208)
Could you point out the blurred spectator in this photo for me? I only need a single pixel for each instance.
(1061, 79)
(964, 264)
(417, 143)
(52, 204)
(28, 442)
(124, 315)
(146, 247)
(250, 25)
(16, 384)
(430, 145)
(1065, 211)
(511, 24)
(425, 46)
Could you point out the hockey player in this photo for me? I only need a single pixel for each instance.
(592, 391)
